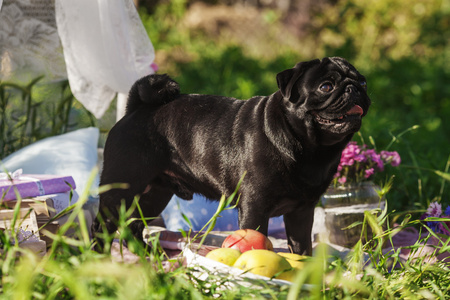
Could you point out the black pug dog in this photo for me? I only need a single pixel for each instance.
(289, 144)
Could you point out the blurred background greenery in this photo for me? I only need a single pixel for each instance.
(236, 48)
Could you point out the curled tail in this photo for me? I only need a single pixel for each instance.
(152, 90)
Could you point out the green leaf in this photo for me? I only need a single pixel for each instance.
(444, 175)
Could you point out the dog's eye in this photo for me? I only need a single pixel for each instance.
(326, 87)
(363, 83)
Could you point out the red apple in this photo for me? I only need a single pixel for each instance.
(247, 239)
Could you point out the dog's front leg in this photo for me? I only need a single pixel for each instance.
(253, 217)
(298, 229)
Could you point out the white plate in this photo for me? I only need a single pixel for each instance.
(214, 267)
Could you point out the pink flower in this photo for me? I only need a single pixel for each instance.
(369, 172)
(154, 67)
(434, 210)
(348, 155)
(375, 157)
(342, 180)
(358, 163)
(360, 158)
(391, 157)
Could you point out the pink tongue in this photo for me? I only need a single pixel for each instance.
(355, 110)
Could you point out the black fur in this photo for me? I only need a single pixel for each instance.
(289, 143)
(152, 91)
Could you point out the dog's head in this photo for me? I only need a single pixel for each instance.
(330, 95)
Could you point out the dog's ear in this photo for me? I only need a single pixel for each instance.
(283, 80)
(288, 78)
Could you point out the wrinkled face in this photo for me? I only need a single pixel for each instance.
(330, 94)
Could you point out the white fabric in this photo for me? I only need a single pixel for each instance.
(106, 49)
(73, 153)
(29, 42)
(121, 105)
(199, 211)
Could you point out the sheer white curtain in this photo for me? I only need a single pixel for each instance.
(106, 49)
(29, 42)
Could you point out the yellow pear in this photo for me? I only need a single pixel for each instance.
(262, 262)
(295, 260)
(226, 256)
(288, 275)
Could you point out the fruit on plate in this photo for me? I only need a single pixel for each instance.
(226, 256)
(262, 262)
(247, 239)
(295, 260)
(288, 275)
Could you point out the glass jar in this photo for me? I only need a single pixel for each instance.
(345, 205)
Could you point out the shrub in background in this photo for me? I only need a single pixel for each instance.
(401, 47)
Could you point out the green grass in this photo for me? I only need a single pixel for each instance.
(71, 270)
(32, 111)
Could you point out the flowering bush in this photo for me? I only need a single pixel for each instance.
(435, 211)
(358, 163)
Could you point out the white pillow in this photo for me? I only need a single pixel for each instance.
(73, 153)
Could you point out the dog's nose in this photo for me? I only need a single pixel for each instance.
(351, 89)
